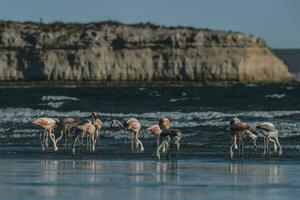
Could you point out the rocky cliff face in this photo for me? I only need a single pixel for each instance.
(111, 51)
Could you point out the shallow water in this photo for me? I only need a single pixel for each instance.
(113, 171)
(140, 179)
(201, 113)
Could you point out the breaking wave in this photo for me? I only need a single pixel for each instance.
(58, 98)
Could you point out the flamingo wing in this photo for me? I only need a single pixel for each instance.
(266, 127)
(239, 127)
(154, 129)
(88, 127)
(98, 122)
(134, 125)
(70, 122)
(44, 122)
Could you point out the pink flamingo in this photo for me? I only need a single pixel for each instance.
(48, 124)
(155, 129)
(133, 126)
(64, 126)
(88, 129)
(237, 130)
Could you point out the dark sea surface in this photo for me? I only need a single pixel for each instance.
(113, 171)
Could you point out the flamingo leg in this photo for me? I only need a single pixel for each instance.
(87, 142)
(158, 149)
(278, 145)
(239, 146)
(46, 139)
(265, 146)
(96, 137)
(42, 140)
(52, 137)
(157, 140)
(232, 146)
(171, 150)
(166, 145)
(132, 136)
(235, 142)
(138, 142)
(242, 146)
(60, 136)
(74, 144)
(93, 143)
(267, 140)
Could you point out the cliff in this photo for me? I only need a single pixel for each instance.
(112, 51)
(291, 58)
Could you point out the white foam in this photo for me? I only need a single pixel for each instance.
(275, 96)
(23, 115)
(183, 99)
(58, 98)
(289, 88)
(53, 104)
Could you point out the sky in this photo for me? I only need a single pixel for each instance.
(276, 21)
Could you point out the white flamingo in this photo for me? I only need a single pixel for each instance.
(270, 134)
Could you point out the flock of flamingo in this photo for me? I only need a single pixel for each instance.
(240, 129)
(167, 138)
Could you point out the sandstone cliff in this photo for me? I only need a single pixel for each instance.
(111, 51)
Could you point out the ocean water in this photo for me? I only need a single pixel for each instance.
(202, 113)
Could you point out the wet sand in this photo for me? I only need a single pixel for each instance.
(147, 179)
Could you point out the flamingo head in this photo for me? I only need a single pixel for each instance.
(164, 124)
(235, 120)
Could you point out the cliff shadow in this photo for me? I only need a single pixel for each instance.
(31, 65)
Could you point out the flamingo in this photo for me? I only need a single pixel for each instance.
(48, 124)
(133, 126)
(170, 138)
(155, 129)
(88, 129)
(64, 126)
(270, 134)
(237, 130)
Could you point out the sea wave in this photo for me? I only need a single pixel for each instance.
(16, 122)
(58, 98)
(56, 101)
(25, 115)
(275, 96)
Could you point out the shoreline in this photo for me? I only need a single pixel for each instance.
(138, 83)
